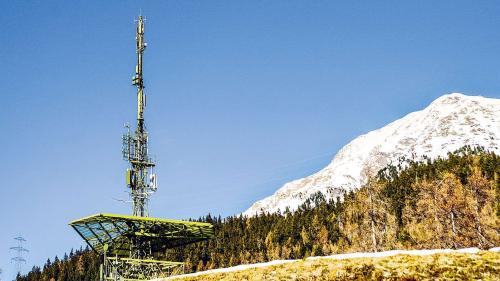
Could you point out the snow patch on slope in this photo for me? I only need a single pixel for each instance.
(336, 257)
(447, 124)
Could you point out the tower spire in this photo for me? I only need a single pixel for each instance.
(138, 80)
(139, 177)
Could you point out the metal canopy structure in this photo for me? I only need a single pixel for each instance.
(114, 234)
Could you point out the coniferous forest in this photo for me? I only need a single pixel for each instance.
(452, 202)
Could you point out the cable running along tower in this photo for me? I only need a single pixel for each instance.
(139, 177)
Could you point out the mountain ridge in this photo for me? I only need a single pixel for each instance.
(446, 124)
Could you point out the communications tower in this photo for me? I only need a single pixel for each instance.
(20, 252)
(134, 247)
(139, 177)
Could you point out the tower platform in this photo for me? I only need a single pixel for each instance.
(119, 240)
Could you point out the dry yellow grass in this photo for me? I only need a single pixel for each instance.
(453, 266)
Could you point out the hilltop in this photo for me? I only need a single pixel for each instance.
(447, 124)
(450, 202)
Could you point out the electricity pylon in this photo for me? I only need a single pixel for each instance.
(20, 251)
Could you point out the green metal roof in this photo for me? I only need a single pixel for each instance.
(117, 230)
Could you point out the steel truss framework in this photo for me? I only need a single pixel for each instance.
(125, 269)
(116, 238)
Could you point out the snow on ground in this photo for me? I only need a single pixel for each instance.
(337, 257)
(397, 252)
(228, 269)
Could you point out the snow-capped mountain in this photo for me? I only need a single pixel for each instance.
(447, 124)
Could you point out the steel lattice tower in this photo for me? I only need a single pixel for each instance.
(139, 177)
(19, 258)
(132, 247)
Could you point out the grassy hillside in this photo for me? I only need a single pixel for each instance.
(453, 266)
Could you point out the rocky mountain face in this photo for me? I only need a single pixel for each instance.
(447, 124)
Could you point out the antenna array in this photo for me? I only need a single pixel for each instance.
(140, 177)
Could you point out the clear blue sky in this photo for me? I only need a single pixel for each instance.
(243, 97)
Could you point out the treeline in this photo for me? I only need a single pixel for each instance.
(442, 203)
(79, 265)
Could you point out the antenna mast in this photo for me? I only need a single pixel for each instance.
(139, 177)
